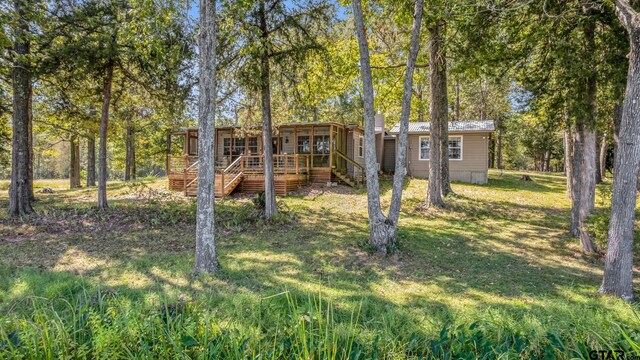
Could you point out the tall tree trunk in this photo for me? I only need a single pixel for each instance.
(587, 173)
(129, 155)
(617, 122)
(206, 259)
(382, 230)
(270, 207)
(577, 159)
(588, 189)
(568, 151)
(499, 146)
(603, 156)
(439, 110)
(32, 154)
(457, 99)
(547, 160)
(74, 162)
(618, 269)
(20, 187)
(598, 166)
(134, 170)
(104, 121)
(403, 135)
(91, 160)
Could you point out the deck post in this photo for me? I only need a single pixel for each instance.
(221, 184)
(308, 169)
(297, 160)
(185, 166)
(311, 145)
(331, 146)
(295, 140)
(285, 164)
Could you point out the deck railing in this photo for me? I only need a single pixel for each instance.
(178, 164)
(230, 174)
(282, 164)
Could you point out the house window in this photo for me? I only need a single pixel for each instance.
(304, 146)
(193, 145)
(455, 148)
(238, 147)
(424, 148)
(226, 146)
(360, 146)
(253, 145)
(321, 145)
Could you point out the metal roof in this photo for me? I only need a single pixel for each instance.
(454, 126)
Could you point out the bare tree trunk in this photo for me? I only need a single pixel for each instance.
(587, 124)
(104, 121)
(577, 158)
(379, 237)
(403, 135)
(617, 121)
(382, 230)
(206, 259)
(134, 171)
(588, 189)
(130, 154)
(20, 187)
(91, 160)
(618, 269)
(499, 146)
(265, 92)
(32, 154)
(603, 156)
(568, 151)
(439, 110)
(74, 162)
(457, 99)
(598, 167)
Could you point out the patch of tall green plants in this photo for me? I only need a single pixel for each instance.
(283, 326)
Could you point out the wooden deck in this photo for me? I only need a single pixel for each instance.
(246, 174)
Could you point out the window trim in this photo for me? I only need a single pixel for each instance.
(360, 137)
(461, 147)
(420, 147)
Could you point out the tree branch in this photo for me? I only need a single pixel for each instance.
(397, 66)
(627, 15)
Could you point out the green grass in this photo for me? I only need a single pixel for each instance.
(494, 274)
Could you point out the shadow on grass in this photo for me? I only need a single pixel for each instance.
(480, 255)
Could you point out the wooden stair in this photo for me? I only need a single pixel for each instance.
(225, 182)
(344, 178)
(220, 191)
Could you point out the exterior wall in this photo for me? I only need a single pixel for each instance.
(389, 160)
(287, 146)
(473, 168)
(356, 134)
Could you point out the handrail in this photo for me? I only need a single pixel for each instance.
(191, 166)
(348, 159)
(362, 174)
(239, 159)
(237, 163)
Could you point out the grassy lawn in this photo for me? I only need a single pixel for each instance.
(495, 273)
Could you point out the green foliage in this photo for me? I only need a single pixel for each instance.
(282, 326)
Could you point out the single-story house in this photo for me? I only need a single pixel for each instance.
(468, 150)
(320, 152)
